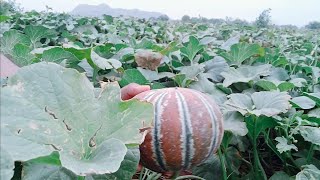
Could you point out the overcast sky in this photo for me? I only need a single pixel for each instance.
(297, 12)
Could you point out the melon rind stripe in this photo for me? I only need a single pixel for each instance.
(214, 118)
(188, 150)
(157, 149)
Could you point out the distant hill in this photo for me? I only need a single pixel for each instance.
(99, 10)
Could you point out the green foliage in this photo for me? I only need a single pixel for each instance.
(266, 82)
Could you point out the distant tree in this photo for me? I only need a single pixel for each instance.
(264, 19)
(313, 25)
(185, 18)
(163, 18)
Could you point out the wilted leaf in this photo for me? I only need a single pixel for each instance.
(283, 145)
(148, 59)
(56, 107)
(244, 74)
(242, 51)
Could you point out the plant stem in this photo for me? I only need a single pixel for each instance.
(176, 175)
(189, 177)
(223, 165)
(310, 153)
(257, 165)
(94, 76)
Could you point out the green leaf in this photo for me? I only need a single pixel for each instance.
(103, 63)
(10, 39)
(210, 169)
(58, 55)
(270, 103)
(262, 123)
(245, 74)
(285, 86)
(36, 33)
(7, 165)
(309, 172)
(260, 103)
(303, 102)
(310, 134)
(242, 51)
(4, 18)
(283, 145)
(39, 171)
(21, 55)
(266, 85)
(234, 122)
(127, 169)
(191, 49)
(205, 86)
(133, 76)
(57, 107)
(153, 75)
(314, 96)
(214, 68)
(277, 75)
(280, 175)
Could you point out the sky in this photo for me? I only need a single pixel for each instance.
(296, 12)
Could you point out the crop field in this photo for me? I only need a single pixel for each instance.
(62, 116)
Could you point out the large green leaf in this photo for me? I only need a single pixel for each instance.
(303, 102)
(310, 134)
(10, 39)
(127, 169)
(58, 55)
(234, 122)
(245, 74)
(47, 104)
(309, 172)
(21, 55)
(7, 165)
(259, 103)
(242, 51)
(214, 68)
(36, 33)
(191, 48)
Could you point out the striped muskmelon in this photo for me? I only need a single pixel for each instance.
(188, 127)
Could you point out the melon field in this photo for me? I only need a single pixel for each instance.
(62, 116)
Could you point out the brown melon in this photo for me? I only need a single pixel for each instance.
(188, 127)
